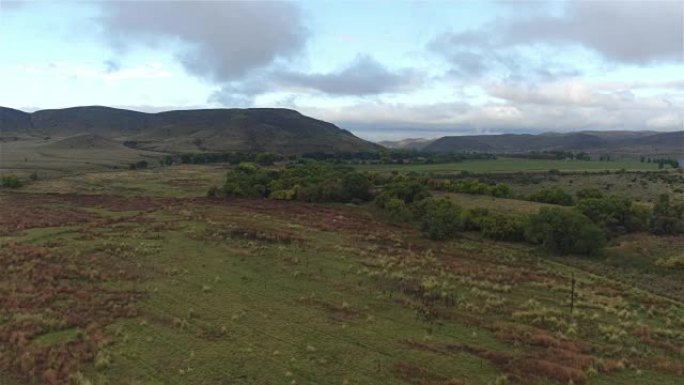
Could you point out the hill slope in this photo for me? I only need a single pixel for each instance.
(255, 129)
(645, 142)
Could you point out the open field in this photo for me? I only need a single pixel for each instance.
(512, 165)
(145, 281)
(493, 204)
(59, 156)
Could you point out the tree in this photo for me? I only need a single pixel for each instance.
(407, 190)
(667, 217)
(503, 227)
(247, 180)
(554, 195)
(564, 231)
(614, 214)
(589, 193)
(440, 218)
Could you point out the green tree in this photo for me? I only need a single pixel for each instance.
(440, 218)
(554, 195)
(247, 180)
(564, 231)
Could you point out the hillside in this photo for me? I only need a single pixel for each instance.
(255, 129)
(644, 142)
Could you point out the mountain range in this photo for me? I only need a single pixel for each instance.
(212, 130)
(624, 142)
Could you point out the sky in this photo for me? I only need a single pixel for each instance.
(384, 70)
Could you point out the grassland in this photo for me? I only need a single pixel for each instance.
(55, 157)
(134, 277)
(512, 165)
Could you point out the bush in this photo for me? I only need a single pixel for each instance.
(589, 193)
(564, 231)
(406, 190)
(471, 219)
(399, 210)
(247, 180)
(10, 181)
(667, 217)
(554, 195)
(440, 218)
(503, 228)
(616, 215)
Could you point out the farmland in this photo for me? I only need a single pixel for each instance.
(144, 280)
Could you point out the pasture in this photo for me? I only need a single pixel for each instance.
(134, 277)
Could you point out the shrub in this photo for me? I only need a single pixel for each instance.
(247, 180)
(554, 195)
(10, 181)
(503, 228)
(589, 193)
(471, 219)
(440, 218)
(564, 231)
(614, 214)
(406, 190)
(667, 217)
(398, 210)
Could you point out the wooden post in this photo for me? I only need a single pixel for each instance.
(572, 294)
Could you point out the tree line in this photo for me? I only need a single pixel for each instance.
(583, 228)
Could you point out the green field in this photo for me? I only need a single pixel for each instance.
(145, 281)
(512, 165)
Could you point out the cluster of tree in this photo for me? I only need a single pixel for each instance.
(396, 157)
(619, 215)
(10, 181)
(308, 181)
(471, 186)
(556, 155)
(553, 195)
(673, 163)
(261, 158)
(139, 165)
(582, 229)
(667, 217)
(558, 229)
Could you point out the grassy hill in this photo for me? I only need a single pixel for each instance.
(255, 129)
(644, 142)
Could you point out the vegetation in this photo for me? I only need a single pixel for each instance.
(10, 181)
(564, 231)
(287, 289)
(553, 195)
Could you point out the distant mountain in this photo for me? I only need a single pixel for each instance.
(626, 142)
(253, 129)
(406, 144)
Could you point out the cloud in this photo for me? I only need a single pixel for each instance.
(364, 76)
(637, 32)
(220, 40)
(627, 32)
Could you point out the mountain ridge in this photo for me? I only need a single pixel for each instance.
(227, 129)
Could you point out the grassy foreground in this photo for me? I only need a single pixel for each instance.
(164, 286)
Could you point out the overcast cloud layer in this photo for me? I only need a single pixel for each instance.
(565, 66)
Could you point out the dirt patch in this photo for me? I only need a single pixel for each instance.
(415, 375)
(554, 364)
(20, 213)
(43, 292)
